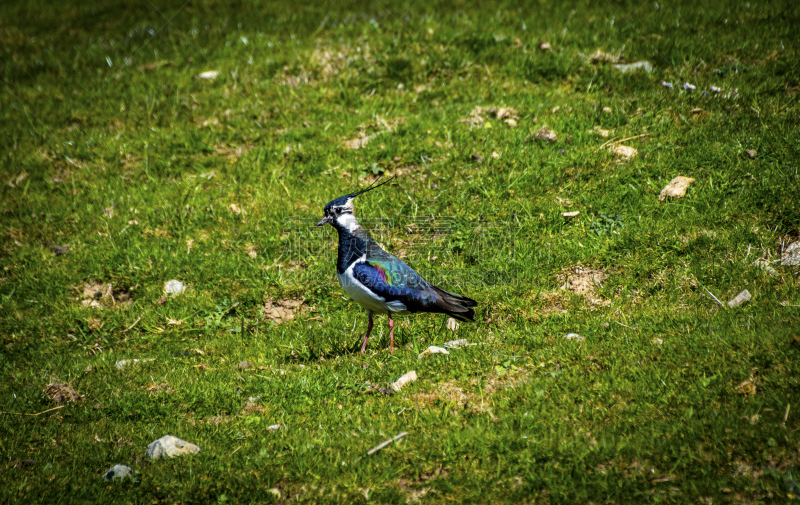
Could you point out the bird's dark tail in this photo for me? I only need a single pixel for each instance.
(454, 305)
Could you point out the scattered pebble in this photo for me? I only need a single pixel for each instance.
(751, 153)
(174, 287)
(452, 324)
(169, 447)
(571, 214)
(124, 363)
(275, 492)
(545, 46)
(676, 188)
(432, 350)
(405, 379)
(118, 472)
(511, 122)
(273, 428)
(637, 65)
(574, 336)
(543, 134)
(791, 255)
(624, 153)
(208, 75)
(739, 299)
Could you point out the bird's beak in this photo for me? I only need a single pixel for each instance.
(325, 219)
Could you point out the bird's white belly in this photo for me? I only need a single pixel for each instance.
(365, 297)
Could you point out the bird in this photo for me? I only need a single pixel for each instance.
(380, 282)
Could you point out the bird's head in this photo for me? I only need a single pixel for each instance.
(340, 210)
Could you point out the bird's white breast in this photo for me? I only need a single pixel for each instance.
(366, 298)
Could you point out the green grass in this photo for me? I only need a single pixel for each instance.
(112, 147)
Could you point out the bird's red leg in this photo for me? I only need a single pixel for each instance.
(369, 330)
(391, 332)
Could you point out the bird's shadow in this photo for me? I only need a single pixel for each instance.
(313, 355)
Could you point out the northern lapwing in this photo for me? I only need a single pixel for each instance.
(380, 282)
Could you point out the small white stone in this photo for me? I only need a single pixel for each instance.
(208, 75)
(676, 188)
(570, 214)
(452, 324)
(791, 255)
(739, 299)
(174, 287)
(124, 363)
(432, 350)
(405, 379)
(275, 492)
(574, 336)
(273, 428)
(169, 446)
(624, 153)
(118, 472)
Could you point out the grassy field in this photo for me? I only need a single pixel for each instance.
(199, 141)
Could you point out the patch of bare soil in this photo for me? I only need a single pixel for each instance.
(584, 281)
(155, 388)
(61, 393)
(101, 295)
(477, 115)
(371, 131)
(281, 311)
(543, 134)
(449, 393)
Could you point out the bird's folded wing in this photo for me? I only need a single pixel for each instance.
(393, 280)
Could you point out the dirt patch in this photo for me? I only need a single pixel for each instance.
(743, 469)
(508, 380)
(232, 153)
(252, 408)
(552, 303)
(477, 115)
(61, 393)
(749, 387)
(543, 134)
(281, 311)
(155, 388)
(326, 63)
(218, 419)
(584, 281)
(369, 132)
(445, 392)
(158, 232)
(101, 295)
(449, 393)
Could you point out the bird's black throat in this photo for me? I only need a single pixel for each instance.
(351, 247)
